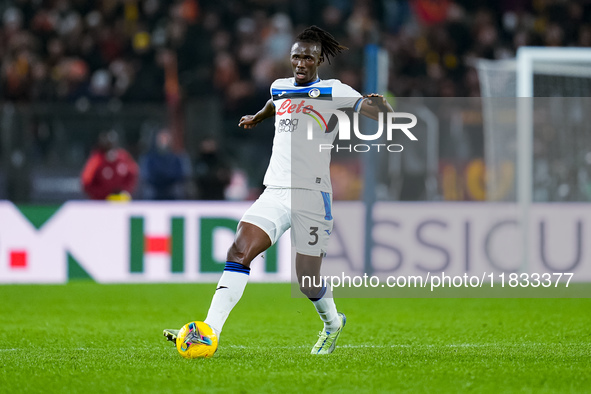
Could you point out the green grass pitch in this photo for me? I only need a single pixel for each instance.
(85, 337)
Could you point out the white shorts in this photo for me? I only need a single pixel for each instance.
(307, 212)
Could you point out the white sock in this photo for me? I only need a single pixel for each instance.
(228, 292)
(327, 310)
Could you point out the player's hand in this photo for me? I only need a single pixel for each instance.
(248, 122)
(377, 100)
(373, 104)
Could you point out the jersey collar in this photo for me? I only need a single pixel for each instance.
(306, 84)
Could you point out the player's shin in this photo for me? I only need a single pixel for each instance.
(228, 292)
(326, 309)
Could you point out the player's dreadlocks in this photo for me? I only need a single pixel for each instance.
(329, 46)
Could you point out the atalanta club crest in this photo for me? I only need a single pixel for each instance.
(314, 93)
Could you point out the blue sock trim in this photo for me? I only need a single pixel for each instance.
(236, 267)
(321, 293)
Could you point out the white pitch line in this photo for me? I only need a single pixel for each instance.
(362, 346)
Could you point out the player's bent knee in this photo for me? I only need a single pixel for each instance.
(250, 242)
(237, 255)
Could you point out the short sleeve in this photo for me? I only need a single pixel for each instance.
(345, 97)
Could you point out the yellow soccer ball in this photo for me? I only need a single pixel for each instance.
(196, 340)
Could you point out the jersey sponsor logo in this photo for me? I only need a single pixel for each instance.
(281, 94)
(287, 125)
(287, 107)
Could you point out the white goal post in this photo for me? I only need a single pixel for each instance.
(570, 61)
(535, 72)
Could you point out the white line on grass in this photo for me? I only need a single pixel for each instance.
(362, 346)
(365, 346)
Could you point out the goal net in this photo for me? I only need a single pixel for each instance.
(537, 128)
(552, 160)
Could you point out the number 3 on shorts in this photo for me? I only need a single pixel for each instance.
(314, 233)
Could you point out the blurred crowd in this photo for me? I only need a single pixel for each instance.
(111, 173)
(64, 49)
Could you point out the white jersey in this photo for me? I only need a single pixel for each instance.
(297, 161)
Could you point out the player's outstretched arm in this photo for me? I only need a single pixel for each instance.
(373, 104)
(250, 121)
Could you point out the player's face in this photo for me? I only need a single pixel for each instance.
(305, 59)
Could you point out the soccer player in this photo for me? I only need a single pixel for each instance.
(298, 188)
